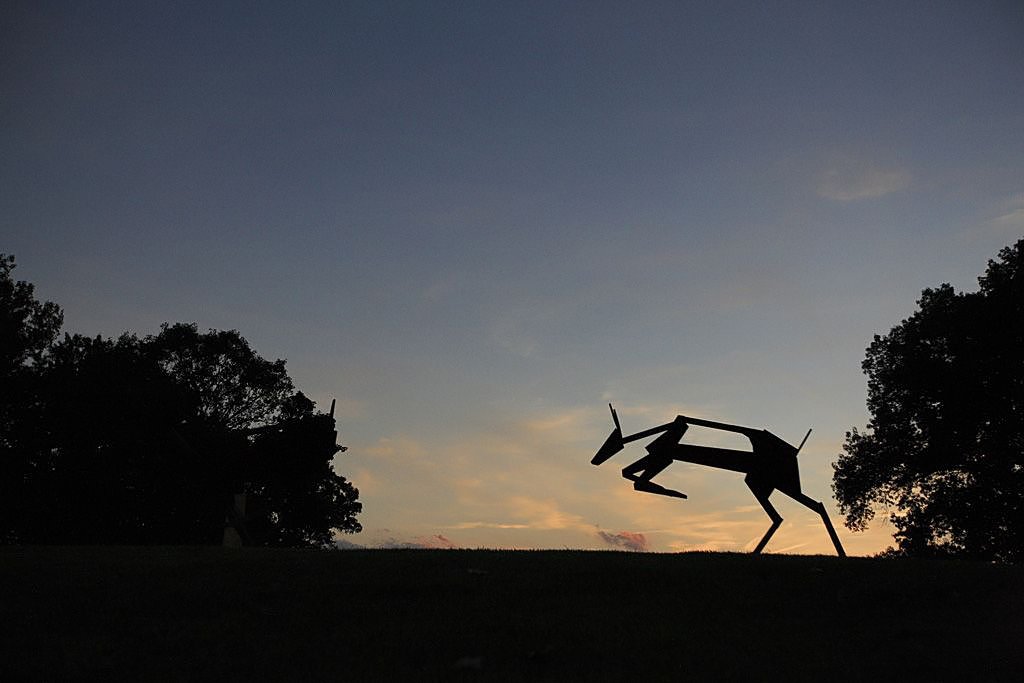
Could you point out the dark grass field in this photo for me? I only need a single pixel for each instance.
(253, 614)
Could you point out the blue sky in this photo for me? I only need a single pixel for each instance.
(477, 223)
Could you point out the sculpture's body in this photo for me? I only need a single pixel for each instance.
(770, 465)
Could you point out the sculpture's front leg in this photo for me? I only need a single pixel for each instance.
(643, 470)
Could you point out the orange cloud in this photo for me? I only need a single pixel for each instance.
(629, 540)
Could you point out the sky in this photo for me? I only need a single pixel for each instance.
(477, 224)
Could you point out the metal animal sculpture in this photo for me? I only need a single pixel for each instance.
(769, 466)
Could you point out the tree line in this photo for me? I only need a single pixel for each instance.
(147, 440)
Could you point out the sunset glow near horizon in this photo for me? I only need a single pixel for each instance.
(477, 224)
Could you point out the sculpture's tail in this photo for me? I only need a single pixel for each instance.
(800, 447)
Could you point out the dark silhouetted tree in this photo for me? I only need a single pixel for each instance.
(295, 496)
(147, 440)
(944, 447)
(267, 440)
(106, 465)
(27, 329)
(27, 326)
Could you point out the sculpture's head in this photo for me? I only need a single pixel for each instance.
(613, 444)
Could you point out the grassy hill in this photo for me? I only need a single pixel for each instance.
(255, 614)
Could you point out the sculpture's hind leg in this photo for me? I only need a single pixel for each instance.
(819, 507)
(761, 492)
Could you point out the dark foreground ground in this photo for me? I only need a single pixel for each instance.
(215, 614)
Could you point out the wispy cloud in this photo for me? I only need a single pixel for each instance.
(852, 181)
(567, 421)
(791, 548)
(509, 475)
(542, 514)
(1011, 218)
(388, 447)
(1005, 221)
(368, 481)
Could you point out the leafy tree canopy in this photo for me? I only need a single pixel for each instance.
(147, 440)
(27, 326)
(229, 384)
(943, 451)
